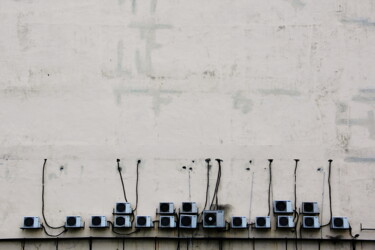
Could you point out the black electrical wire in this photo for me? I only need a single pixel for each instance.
(253, 244)
(122, 180)
(217, 196)
(295, 184)
(269, 186)
(178, 234)
(286, 244)
(329, 193)
(123, 244)
(54, 235)
(23, 243)
(295, 230)
(44, 217)
(296, 215)
(90, 243)
(208, 182)
(136, 187)
(57, 244)
(216, 186)
(118, 233)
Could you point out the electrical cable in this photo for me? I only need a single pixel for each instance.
(296, 215)
(329, 193)
(122, 181)
(57, 244)
(286, 244)
(208, 181)
(90, 243)
(44, 217)
(253, 244)
(136, 186)
(217, 185)
(295, 184)
(178, 234)
(123, 244)
(269, 186)
(118, 233)
(23, 243)
(54, 235)
(295, 230)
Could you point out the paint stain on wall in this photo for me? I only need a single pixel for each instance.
(365, 22)
(297, 4)
(242, 103)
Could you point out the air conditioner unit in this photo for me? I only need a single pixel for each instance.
(167, 221)
(74, 222)
(31, 222)
(189, 208)
(285, 222)
(213, 219)
(123, 208)
(188, 221)
(282, 207)
(98, 221)
(310, 208)
(340, 223)
(310, 222)
(166, 208)
(262, 222)
(122, 221)
(143, 222)
(238, 222)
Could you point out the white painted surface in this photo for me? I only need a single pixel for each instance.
(85, 82)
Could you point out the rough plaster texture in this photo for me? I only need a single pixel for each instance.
(171, 82)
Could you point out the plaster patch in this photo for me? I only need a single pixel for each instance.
(242, 103)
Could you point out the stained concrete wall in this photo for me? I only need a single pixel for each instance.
(173, 82)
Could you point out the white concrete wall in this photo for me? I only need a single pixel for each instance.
(171, 82)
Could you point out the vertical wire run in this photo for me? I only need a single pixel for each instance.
(208, 182)
(136, 186)
(295, 185)
(295, 204)
(122, 180)
(329, 193)
(269, 186)
(43, 181)
(90, 243)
